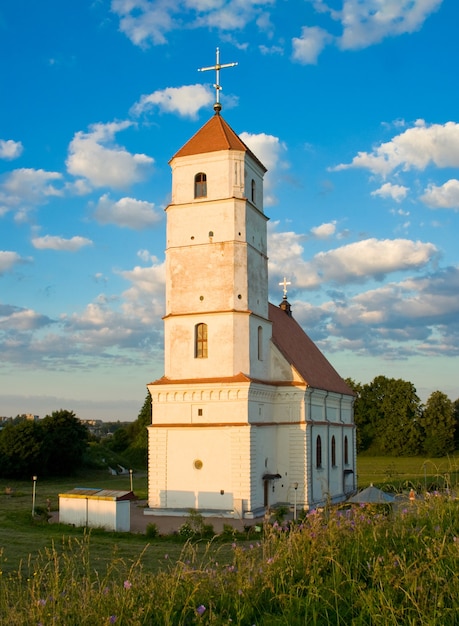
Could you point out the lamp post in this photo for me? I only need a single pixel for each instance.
(34, 478)
(295, 486)
(130, 476)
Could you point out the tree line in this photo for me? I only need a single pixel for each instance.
(391, 420)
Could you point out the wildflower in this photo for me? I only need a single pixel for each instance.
(239, 591)
(112, 619)
(105, 591)
(201, 609)
(127, 584)
(42, 602)
(270, 560)
(166, 556)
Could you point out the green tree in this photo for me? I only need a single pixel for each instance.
(456, 423)
(360, 418)
(439, 425)
(65, 442)
(22, 450)
(138, 430)
(388, 413)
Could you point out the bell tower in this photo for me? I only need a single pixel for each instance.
(216, 322)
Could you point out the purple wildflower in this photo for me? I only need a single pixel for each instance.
(201, 609)
(112, 619)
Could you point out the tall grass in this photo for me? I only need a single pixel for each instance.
(356, 566)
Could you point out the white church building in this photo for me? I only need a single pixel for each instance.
(249, 414)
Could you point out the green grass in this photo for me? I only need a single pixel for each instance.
(403, 472)
(346, 567)
(341, 567)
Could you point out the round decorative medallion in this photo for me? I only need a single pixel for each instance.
(198, 464)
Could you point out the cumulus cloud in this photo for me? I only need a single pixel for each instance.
(8, 260)
(371, 257)
(270, 150)
(96, 157)
(369, 21)
(394, 192)
(14, 318)
(324, 231)
(28, 186)
(145, 22)
(445, 196)
(51, 242)
(126, 212)
(186, 101)
(10, 149)
(416, 316)
(416, 148)
(309, 45)
(359, 262)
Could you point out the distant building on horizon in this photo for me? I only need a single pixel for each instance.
(249, 414)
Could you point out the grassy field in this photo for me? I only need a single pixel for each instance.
(364, 567)
(403, 472)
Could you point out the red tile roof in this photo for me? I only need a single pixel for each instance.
(301, 352)
(214, 136)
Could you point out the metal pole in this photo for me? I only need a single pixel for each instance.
(130, 476)
(34, 478)
(295, 486)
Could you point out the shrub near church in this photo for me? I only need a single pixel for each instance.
(52, 446)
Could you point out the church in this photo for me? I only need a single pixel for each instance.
(249, 414)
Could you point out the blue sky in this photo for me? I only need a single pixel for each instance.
(351, 104)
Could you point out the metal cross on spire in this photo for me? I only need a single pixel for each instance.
(217, 67)
(284, 284)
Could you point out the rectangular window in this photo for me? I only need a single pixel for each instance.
(201, 341)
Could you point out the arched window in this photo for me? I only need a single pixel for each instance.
(200, 185)
(260, 343)
(346, 452)
(333, 451)
(318, 452)
(200, 347)
(253, 191)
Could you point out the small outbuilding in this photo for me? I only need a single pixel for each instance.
(96, 508)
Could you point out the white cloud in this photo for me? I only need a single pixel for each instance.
(369, 259)
(186, 100)
(10, 149)
(28, 186)
(388, 190)
(147, 22)
(50, 242)
(324, 231)
(94, 156)
(13, 318)
(306, 49)
(444, 197)
(143, 22)
(269, 149)
(366, 22)
(415, 148)
(8, 260)
(126, 212)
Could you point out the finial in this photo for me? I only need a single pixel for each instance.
(217, 67)
(284, 284)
